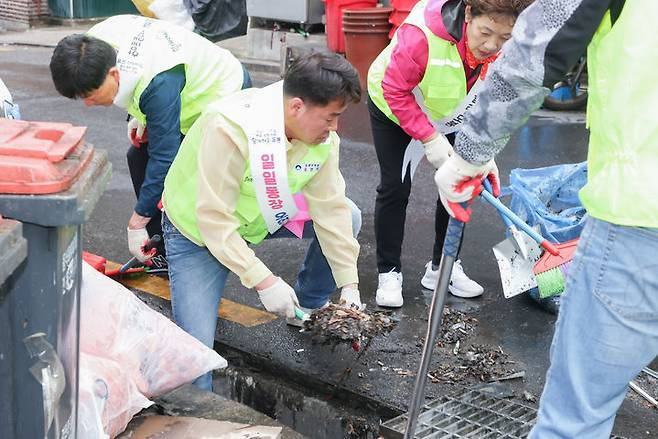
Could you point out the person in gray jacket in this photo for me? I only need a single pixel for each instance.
(607, 330)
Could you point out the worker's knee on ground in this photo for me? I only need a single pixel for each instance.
(356, 218)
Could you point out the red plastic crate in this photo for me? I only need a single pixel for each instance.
(334, 16)
(403, 5)
(40, 157)
(401, 9)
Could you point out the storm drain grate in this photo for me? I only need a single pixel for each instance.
(472, 414)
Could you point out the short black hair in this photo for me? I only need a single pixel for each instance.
(80, 63)
(321, 77)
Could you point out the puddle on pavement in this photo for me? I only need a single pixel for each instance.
(316, 414)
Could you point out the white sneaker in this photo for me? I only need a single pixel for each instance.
(431, 277)
(389, 290)
(460, 284)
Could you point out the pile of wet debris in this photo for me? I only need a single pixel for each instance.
(476, 362)
(335, 324)
(471, 362)
(455, 327)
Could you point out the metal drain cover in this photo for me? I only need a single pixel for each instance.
(471, 414)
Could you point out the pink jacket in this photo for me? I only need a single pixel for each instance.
(409, 58)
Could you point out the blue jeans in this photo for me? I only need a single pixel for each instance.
(607, 331)
(197, 279)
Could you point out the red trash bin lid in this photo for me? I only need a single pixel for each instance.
(40, 157)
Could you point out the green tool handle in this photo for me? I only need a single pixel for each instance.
(301, 315)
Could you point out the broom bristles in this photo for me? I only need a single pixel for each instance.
(551, 271)
(551, 283)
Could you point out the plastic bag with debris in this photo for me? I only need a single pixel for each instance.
(143, 7)
(219, 19)
(548, 197)
(156, 354)
(173, 11)
(107, 398)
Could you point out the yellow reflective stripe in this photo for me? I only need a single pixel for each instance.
(228, 310)
(445, 62)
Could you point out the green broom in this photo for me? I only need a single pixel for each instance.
(551, 270)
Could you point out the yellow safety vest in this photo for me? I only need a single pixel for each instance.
(444, 84)
(211, 72)
(180, 189)
(623, 148)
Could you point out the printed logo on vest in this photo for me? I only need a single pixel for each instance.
(307, 167)
(173, 46)
(136, 44)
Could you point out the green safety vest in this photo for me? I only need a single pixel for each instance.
(211, 72)
(623, 148)
(444, 84)
(180, 186)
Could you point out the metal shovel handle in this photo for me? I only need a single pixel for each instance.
(450, 249)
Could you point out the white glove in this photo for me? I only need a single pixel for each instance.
(351, 296)
(438, 150)
(135, 132)
(136, 240)
(279, 298)
(460, 182)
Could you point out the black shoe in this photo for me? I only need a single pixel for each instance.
(158, 264)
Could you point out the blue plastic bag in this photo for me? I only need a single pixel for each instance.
(548, 197)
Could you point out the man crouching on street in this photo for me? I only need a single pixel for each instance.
(256, 166)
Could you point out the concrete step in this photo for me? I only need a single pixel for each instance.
(189, 400)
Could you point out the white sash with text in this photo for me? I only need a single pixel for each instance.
(267, 157)
(446, 125)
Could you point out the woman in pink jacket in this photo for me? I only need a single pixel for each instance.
(419, 88)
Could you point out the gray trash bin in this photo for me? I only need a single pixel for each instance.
(13, 250)
(40, 306)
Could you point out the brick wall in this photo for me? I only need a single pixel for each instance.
(22, 13)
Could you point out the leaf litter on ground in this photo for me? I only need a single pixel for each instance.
(475, 363)
(335, 324)
(468, 362)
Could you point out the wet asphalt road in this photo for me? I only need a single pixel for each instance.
(517, 325)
